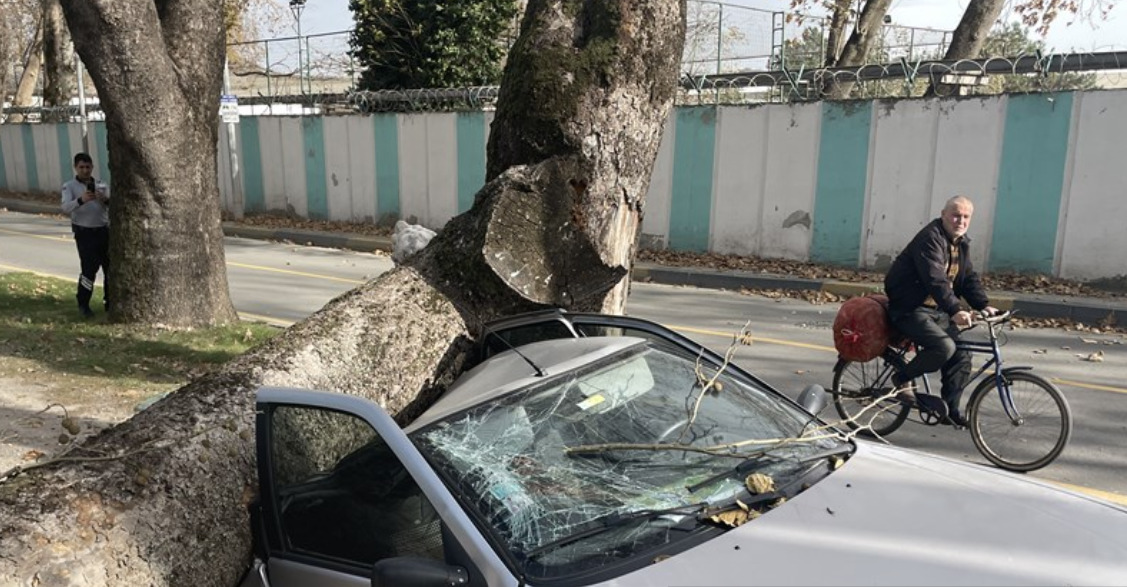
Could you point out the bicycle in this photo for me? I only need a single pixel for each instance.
(1025, 429)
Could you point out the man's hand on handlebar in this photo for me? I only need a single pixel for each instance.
(965, 319)
(991, 315)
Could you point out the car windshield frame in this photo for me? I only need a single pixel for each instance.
(511, 461)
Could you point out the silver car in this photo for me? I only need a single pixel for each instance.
(587, 449)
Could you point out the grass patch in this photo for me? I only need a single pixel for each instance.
(41, 331)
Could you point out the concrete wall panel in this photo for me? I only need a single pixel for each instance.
(968, 147)
(903, 160)
(362, 168)
(655, 218)
(293, 165)
(788, 182)
(338, 169)
(46, 140)
(15, 159)
(442, 168)
(741, 149)
(1093, 234)
(413, 168)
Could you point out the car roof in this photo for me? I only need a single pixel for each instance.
(508, 371)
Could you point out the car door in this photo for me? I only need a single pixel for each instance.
(346, 499)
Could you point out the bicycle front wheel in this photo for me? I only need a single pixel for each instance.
(1039, 434)
(861, 397)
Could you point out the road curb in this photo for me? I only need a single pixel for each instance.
(1083, 310)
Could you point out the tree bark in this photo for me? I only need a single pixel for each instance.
(58, 61)
(586, 95)
(158, 69)
(869, 24)
(25, 90)
(969, 37)
(564, 180)
(835, 36)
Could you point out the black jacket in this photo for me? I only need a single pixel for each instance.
(921, 270)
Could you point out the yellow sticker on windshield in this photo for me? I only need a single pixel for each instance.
(591, 402)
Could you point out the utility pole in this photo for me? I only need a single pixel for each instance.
(296, 7)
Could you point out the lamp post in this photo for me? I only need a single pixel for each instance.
(296, 7)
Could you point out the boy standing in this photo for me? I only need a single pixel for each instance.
(87, 201)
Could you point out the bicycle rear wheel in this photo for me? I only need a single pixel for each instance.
(857, 392)
(1036, 439)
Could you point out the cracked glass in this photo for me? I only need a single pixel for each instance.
(615, 459)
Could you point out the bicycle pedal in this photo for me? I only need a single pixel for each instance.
(933, 410)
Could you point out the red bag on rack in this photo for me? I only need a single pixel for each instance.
(861, 328)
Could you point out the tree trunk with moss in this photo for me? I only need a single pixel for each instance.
(161, 499)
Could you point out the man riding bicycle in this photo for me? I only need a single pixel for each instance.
(923, 286)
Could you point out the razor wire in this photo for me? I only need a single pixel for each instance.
(1026, 73)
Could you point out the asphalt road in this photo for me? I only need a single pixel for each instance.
(282, 283)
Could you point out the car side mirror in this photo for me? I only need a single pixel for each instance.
(813, 399)
(417, 571)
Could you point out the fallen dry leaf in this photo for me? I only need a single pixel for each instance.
(758, 483)
(731, 518)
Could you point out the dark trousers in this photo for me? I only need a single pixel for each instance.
(93, 254)
(934, 334)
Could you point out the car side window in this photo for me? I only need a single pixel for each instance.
(341, 492)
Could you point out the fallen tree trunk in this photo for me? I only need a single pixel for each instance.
(161, 499)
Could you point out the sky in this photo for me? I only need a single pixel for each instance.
(333, 15)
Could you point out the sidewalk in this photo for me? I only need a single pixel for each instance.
(1085, 310)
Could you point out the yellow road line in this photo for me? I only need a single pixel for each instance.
(1088, 385)
(1105, 495)
(43, 236)
(292, 272)
(266, 319)
(229, 263)
(801, 345)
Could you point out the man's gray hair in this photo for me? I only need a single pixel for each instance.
(955, 200)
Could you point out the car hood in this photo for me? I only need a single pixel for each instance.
(896, 517)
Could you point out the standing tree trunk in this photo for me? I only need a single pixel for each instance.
(969, 37)
(58, 62)
(25, 90)
(162, 498)
(158, 69)
(856, 50)
(835, 36)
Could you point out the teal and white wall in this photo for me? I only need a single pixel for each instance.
(362, 168)
(837, 182)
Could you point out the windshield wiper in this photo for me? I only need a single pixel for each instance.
(753, 462)
(615, 520)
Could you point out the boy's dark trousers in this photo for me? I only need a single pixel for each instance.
(93, 253)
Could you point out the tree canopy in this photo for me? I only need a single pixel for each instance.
(405, 44)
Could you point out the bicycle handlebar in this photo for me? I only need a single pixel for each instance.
(992, 319)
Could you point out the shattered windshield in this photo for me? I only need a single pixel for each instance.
(612, 460)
